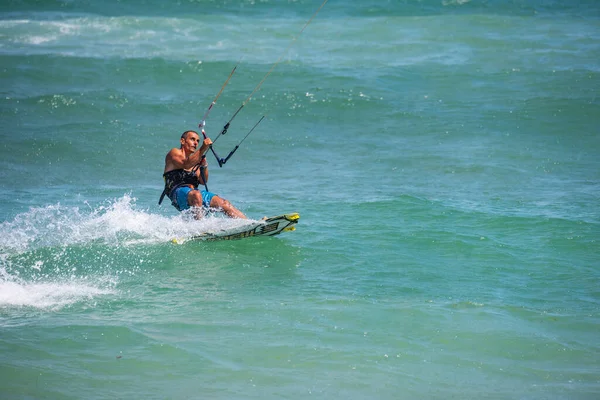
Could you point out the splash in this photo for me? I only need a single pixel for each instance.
(55, 256)
(48, 296)
(48, 282)
(117, 223)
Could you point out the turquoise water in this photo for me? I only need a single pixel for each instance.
(444, 157)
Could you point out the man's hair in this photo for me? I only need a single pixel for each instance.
(184, 134)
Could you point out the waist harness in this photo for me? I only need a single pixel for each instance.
(175, 179)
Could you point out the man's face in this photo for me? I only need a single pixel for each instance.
(190, 141)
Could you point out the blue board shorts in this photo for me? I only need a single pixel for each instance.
(181, 194)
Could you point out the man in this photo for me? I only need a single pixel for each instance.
(185, 169)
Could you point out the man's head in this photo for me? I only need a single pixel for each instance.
(189, 141)
(185, 134)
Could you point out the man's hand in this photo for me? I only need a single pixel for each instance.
(205, 143)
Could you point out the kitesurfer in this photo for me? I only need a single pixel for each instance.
(186, 169)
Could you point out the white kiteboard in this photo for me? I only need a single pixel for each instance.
(268, 227)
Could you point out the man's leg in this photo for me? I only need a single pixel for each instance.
(227, 207)
(195, 201)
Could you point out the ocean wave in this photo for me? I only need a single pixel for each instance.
(55, 256)
(51, 296)
(118, 223)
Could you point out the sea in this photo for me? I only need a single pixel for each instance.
(444, 157)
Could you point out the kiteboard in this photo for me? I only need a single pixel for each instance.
(267, 227)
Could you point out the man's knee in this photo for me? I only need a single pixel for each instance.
(195, 198)
(219, 202)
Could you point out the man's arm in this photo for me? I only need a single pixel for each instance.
(203, 171)
(196, 156)
(176, 158)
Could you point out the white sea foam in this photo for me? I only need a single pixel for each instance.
(49, 295)
(116, 223)
(40, 266)
(124, 37)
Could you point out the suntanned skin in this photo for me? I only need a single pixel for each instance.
(186, 157)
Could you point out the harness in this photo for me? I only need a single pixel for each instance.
(177, 178)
